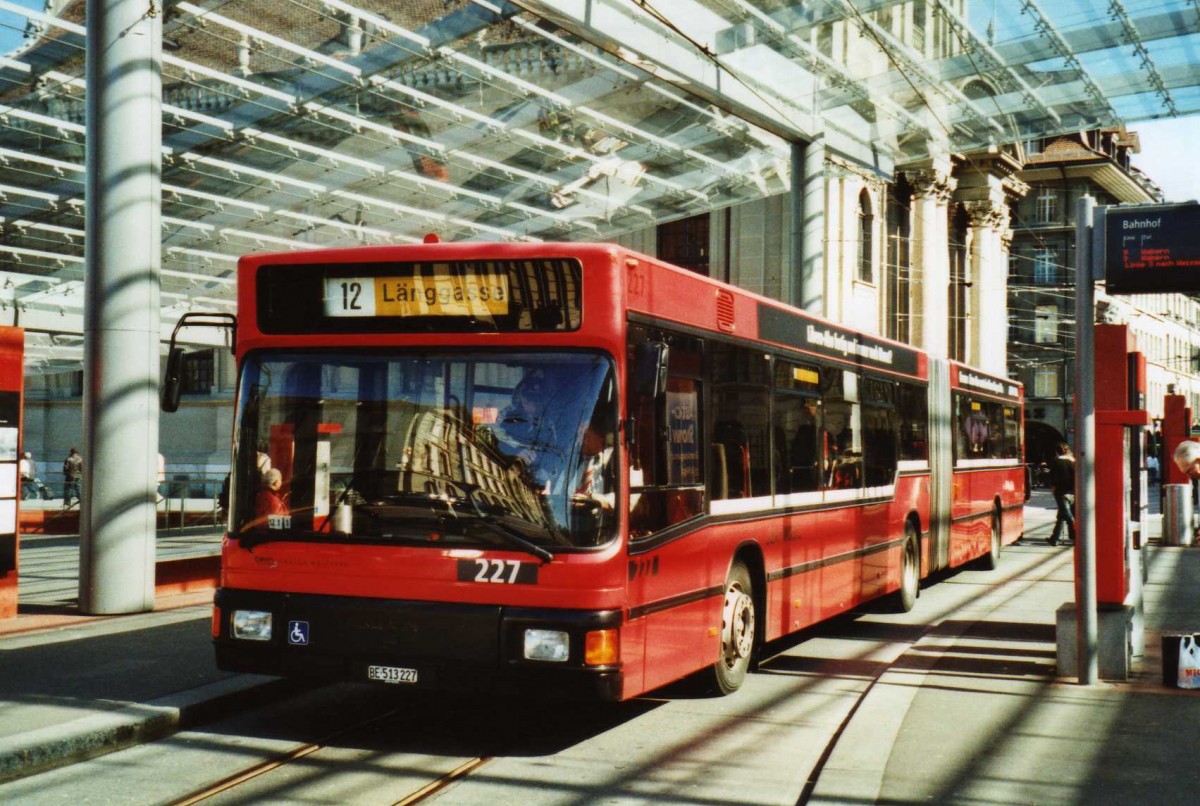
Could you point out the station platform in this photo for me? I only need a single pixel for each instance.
(974, 711)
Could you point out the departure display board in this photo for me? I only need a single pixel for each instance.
(1152, 248)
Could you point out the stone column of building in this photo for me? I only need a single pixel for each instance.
(987, 335)
(850, 298)
(808, 222)
(986, 186)
(932, 189)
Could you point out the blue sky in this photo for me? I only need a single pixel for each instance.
(11, 25)
(1169, 155)
(1168, 147)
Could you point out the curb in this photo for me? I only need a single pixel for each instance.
(88, 737)
(65, 617)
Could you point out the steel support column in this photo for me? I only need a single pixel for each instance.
(121, 317)
(1087, 620)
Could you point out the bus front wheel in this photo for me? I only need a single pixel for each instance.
(738, 630)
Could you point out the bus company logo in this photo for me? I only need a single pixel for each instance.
(838, 343)
(298, 633)
(987, 384)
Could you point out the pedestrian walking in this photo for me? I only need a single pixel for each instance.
(31, 485)
(1062, 484)
(72, 474)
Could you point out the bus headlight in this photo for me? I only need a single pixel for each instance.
(252, 625)
(550, 645)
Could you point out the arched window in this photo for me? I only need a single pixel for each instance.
(866, 224)
(896, 262)
(960, 282)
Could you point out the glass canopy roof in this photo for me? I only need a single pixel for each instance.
(298, 124)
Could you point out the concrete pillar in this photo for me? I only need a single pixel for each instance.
(121, 319)
(932, 189)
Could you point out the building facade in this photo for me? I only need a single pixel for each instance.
(1041, 310)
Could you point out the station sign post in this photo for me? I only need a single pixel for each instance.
(1134, 249)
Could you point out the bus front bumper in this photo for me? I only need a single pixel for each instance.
(426, 645)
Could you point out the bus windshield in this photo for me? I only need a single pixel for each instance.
(482, 450)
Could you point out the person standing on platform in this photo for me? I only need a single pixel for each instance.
(1062, 484)
(72, 473)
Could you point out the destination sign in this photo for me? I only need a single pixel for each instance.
(392, 296)
(440, 294)
(1152, 248)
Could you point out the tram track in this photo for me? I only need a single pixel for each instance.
(433, 787)
(237, 784)
(257, 771)
(264, 768)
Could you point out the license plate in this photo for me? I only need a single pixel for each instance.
(391, 674)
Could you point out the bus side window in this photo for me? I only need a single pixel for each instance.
(667, 465)
(1012, 432)
(880, 431)
(974, 432)
(740, 384)
(796, 411)
(731, 460)
(913, 408)
(841, 430)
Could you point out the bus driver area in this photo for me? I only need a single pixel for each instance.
(514, 469)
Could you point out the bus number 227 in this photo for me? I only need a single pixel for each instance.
(503, 572)
(495, 571)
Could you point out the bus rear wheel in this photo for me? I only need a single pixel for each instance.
(910, 571)
(991, 560)
(738, 631)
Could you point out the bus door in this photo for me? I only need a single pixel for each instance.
(669, 556)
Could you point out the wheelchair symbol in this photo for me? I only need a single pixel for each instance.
(298, 633)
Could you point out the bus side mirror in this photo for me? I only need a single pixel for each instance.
(172, 384)
(173, 378)
(650, 368)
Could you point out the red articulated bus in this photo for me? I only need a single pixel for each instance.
(573, 468)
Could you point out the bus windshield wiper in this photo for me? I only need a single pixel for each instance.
(513, 537)
(498, 527)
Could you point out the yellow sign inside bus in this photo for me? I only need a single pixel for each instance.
(438, 294)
